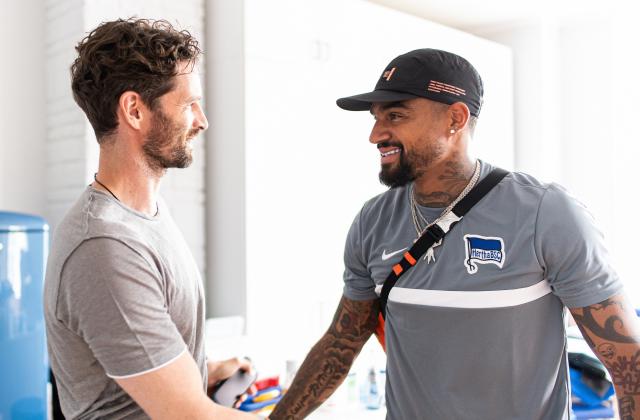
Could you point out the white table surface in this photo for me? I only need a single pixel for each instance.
(349, 412)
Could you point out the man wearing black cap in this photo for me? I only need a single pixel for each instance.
(475, 325)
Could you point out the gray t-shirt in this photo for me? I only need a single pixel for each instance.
(479, 333)
(122, 296)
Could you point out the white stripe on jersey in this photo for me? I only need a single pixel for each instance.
(473, 300)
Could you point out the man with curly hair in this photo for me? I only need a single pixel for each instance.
(124, 303)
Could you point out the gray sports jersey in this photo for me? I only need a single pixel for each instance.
(479, 333)
(123, 296)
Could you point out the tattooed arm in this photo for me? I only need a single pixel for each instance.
(328, 362)
(612, 330)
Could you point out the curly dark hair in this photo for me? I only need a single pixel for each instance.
(137, 55)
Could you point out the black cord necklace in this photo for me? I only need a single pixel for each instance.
(95, 178)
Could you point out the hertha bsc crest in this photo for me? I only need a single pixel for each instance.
(483, 250)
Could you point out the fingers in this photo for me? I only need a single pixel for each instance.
(245, 364)
(222, 370)
(237, 363)
(242, 398)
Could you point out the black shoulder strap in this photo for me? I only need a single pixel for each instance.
(436, 232)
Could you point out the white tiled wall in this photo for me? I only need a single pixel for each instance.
(66, 126)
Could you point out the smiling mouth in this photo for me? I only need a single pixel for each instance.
(390, 152)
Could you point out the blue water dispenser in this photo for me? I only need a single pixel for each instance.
(24, 243)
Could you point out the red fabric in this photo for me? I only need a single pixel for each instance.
(380, 332)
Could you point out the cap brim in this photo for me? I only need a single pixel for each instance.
(363, 101)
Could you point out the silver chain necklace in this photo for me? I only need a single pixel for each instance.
(419, 220)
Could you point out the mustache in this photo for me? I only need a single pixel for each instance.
(390, 143)
(193, 132)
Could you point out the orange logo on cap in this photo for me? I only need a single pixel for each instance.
(387, 74)
(439, 87)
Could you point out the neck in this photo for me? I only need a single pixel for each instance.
(443, 182)
(129, 178)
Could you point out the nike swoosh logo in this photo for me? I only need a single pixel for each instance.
(386, 256)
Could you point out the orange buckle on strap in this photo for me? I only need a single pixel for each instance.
(409, 258)
(397, 269)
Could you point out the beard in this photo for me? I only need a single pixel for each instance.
(398, 174)
(166, 144)
(410, 166)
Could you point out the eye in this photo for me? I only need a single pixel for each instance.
(394, 116)
(191, 106)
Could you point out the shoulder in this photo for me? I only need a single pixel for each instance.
(107, 217)
(524, 189)
(98, 226)
(521, 191)
(527, 180)
(94, 214)
(385, 203)
(558, 212)
(522, 180)
(560, 205)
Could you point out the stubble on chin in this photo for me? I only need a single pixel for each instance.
(160, 149)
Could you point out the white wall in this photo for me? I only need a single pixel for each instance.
(226, 204)
(538, 142)
(22, 108)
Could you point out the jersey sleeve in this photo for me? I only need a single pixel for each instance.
(114, 298)
(572, 251)
(358, 284)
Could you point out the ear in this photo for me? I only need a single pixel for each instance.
(458, 117)
(132, 110)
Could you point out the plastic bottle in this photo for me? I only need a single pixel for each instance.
(382, 385)
(373, 394)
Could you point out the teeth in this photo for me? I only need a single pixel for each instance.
(392, 152)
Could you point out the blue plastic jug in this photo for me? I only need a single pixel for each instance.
(24, 244)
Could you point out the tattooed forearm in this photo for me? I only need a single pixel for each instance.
(607, 350)
(625, 372)
(605, 321)
(627, 408)
(328, 362)
(612, 330)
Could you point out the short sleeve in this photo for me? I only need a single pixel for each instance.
(114, 298)
(358, 284)
(572, 251)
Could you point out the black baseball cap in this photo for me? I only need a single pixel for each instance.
(437, 75)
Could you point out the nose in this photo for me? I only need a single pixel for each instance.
(200, 121)
(379, 133)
